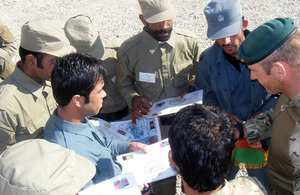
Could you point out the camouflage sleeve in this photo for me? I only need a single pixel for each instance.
(294, 153)
(260, 127)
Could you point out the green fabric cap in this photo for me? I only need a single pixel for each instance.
(265, 39)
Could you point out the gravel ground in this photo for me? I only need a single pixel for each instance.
(118, 19)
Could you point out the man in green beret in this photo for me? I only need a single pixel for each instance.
(272, 53)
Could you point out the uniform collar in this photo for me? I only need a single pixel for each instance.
(152, 44)
(295, 102)
(74, 128)
(28, 83)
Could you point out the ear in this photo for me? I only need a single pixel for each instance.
(280, 69)
(170, 155)
(30, 60)
(77, 101)
(143, 20)
(245, 24)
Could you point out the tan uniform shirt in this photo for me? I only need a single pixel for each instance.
(157, 70)
(284, 151)
(25, 107)
(113, 101)
(242, 186)
(7, 52)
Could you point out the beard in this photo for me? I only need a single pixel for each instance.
(160, 35)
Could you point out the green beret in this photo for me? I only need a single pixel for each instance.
(265, 39)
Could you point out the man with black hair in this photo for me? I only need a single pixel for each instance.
(26, 97)
(201, 138)
(77, 83)
(226, 82)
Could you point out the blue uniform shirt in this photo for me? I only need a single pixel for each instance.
(86, 140)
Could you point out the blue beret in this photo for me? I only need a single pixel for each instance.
(265, 39)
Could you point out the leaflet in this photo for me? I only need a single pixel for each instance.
(110, 131)
(173, 105)
(146, 131)
(124, 184)
(149, 167)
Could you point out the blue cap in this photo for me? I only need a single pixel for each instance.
(224, 18)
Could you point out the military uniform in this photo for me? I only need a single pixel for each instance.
(284, 158)
(25, 107)
(242, 185)
(8, 49)
(157, 70)
(113, 102)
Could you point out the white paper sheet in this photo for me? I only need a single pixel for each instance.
(173, 105)
(149, 167)
(124, 184)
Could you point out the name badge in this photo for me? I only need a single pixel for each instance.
(147, 77)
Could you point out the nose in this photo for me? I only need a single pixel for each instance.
(104, 94)
(164, 25)
(226, 40)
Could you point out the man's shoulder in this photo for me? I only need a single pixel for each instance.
(246, 185)
(131, 42)
(185, 33)
(8, 92)
(213, 50)
(111, 44)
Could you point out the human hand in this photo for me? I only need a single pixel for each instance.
(258, 113)
(186, 91)
(234, 119)
(141, 107)
(145, 189)
(135, 146)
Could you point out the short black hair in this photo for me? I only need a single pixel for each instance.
(39, 56)
(76, 74)
(201, 138)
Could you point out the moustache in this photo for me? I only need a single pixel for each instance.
(160, 32)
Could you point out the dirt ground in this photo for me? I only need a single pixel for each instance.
(118, 19)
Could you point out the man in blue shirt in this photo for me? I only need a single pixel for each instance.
(225, 80)
(77, 82)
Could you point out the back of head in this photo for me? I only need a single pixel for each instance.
(202, 139)
(155, 11)
(224, 18)
(5, 34)
(38, 167)
(76, 74)
(84, 36)
(43, 36)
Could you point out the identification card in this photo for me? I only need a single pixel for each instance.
(147, 77)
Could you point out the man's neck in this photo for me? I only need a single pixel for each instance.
(68, 114)
(28, 72)
(190, 191)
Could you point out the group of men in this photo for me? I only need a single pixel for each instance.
(243, 73)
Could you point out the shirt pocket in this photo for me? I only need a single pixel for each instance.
(182, 74)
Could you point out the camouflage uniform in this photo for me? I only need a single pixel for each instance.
(282, 123)
(242, 185)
